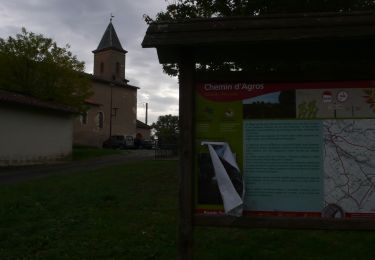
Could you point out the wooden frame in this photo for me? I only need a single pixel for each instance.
(285, 223)
(341, 38)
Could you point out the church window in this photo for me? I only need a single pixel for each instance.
(84, 118)
(102, 67)
(100, 120)
(117, 69)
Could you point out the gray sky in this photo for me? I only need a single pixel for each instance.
(81, 24)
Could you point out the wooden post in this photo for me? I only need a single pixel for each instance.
(186, 198)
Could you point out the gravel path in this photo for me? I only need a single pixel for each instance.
(19, 174)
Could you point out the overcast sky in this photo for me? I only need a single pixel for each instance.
(81, 24)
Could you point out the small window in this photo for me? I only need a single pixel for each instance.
(117, 69)
(100, 120)
(101, 67)
(114, 111)
(84, 118)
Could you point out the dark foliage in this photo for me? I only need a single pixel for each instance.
(167, 129)
(34, 65)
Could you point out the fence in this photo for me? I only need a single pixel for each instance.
(166, 151)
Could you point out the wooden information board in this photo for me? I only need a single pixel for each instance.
(301, 149)
(289, 121)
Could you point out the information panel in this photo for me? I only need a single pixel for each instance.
(292, 149)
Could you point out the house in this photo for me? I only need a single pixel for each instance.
(113, 106)
(33, 131)
(143, 130)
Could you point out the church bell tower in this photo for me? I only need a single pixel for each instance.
(109, 57)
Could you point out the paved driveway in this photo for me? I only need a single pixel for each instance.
(18, 174)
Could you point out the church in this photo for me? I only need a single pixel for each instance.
(112, 109)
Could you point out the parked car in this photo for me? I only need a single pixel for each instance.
(129, 142)
(119, 142)
(147, 144)
(115, 142)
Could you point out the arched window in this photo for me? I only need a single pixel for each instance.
(100, 120)
(84, 118)
(101, 67)
(117, 69)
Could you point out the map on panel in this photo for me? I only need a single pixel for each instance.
(349, 164)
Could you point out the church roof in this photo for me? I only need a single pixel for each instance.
(110, 41)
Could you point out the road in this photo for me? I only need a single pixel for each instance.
(24, 173)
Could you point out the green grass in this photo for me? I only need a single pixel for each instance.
(121, 212)
(83, 153)
(223, 243)
(130, 212)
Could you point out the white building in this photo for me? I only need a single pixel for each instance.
(33, 131)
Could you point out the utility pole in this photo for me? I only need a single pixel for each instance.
(146, 113)
(110, 112)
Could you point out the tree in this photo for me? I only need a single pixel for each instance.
(36, 66)
(189, 9)
(167, 129)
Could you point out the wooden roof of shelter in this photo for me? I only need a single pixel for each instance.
(260, 37)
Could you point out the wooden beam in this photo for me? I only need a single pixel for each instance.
(364, 71)
(235, 30)
(292, 50)
(285, 223)
(186, 181)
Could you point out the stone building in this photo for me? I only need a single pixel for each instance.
(113, 106)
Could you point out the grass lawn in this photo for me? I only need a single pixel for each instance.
(121, 212)
(130, 212)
